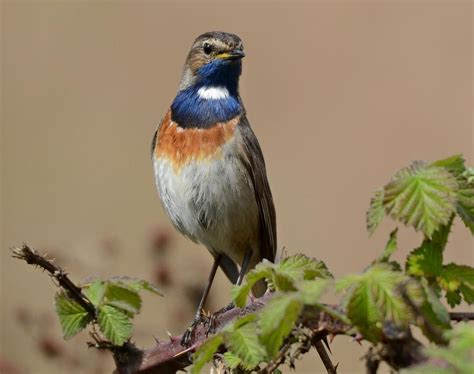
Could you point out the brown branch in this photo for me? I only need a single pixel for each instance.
(33, 257)
(461, 316)
(398, 348)
(330, 368)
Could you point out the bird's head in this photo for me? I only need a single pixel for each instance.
(214, 60)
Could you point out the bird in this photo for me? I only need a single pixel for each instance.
(209, 168)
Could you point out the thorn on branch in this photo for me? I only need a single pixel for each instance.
(33, 257)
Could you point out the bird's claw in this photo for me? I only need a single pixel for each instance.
(228, 307)
(187, 338)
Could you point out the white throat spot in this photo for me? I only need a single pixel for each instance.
(213, 93)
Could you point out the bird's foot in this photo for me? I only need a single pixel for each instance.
(211, 327)
(228, 307)
(188, 335)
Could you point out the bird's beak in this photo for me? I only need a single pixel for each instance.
(236, 54)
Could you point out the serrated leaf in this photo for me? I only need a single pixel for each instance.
(454, 164)
(205, 353)
(363, 312)
(310, 291)
(72, 316)
(422, 196)
(236, 323)
(465, 207)
(437, 307)
(458, 273)
(95, 292)
(136, 284)
(373, 300)
(425, 261)
(114, 324)
(440, 236)
(376, 211)
(456, 279)
(390, 247)
(433, 311)
(465, 198)
(467, 293)
(231, 360)
(243, 342)
(282, 282)
(122, 297)
(240, 293)
(277, 319)
(299, 267)
(453, 298)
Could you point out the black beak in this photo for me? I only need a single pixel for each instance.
(236, 54)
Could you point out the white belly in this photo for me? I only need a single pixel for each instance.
(212, 202)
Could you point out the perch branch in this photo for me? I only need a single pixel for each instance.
(398, 349)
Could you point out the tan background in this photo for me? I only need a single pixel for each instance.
(340, 94)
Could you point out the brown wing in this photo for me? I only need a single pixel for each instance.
(255, 164)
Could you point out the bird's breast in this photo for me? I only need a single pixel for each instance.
(182, 145)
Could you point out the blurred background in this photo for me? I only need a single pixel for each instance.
(341, 94)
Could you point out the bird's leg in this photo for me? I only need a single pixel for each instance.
(243, 271)
(188, 335)
(245, 266)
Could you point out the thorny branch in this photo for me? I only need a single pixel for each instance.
(398, 349)
(33, 257)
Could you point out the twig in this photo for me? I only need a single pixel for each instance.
(33, 257)
(278, 360)
(461, 316)
(331, 369)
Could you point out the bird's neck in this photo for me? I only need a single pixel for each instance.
(211, 99)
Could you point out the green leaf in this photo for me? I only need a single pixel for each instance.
(376, 211)
(465, 198)
(456, 279)
(282, 282)
(95, 292)
(467, 293)
(453, 274)
(390, 247)
(453, 298)
(433, 311)
(240, 293)
(454, 164)
(243, 342)
(440, 237)
(437, 307)
(114, 324)
(277, 319)
(206, 352)
(422, 196)
(136, 284)
(373, 300)
(72, 316)
(425, 261)
(310, 291)
(123, 298)
(231, 360)
(299, 267)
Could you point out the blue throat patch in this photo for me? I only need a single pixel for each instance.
(189, 110)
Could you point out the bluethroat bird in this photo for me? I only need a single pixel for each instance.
(209, 168)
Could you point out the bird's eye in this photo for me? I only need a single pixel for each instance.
(207, 48)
